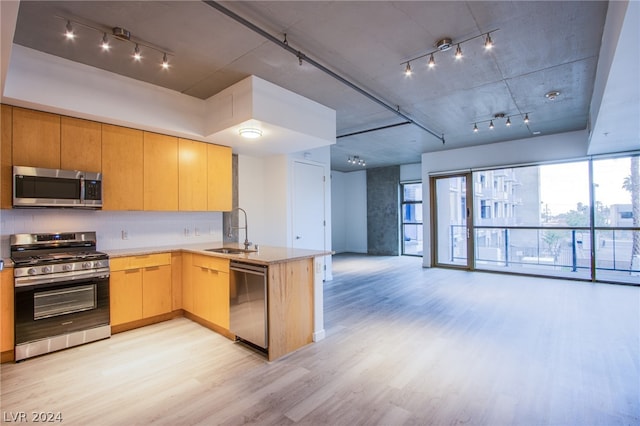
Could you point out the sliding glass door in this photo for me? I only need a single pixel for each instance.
(577, 219)
(453, 220)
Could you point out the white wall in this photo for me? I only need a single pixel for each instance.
(564, 146)
(144, 229)
(265, 191)
(349, 211)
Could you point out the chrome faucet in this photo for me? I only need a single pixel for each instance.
(246, 229)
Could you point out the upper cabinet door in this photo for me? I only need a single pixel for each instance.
(219, 183)
(6, 172)
(192, 168)
(160, 172)
(122, 168)
(36, 139)
(80, 145)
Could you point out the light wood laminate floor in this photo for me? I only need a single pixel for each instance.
(404, 345)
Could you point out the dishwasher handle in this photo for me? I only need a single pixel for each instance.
(248, 267)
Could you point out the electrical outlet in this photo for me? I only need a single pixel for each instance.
(124, 234)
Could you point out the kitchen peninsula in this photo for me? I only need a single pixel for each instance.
(153, 284)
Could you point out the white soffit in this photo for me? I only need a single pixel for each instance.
(289, 122)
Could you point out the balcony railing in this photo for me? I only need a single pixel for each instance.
(560, 251)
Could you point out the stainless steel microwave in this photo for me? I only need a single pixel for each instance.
(39, 187)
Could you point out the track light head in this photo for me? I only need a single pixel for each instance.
(407, 70)
(526, 118)
(105, 43)
(69, 34)
(458, 54)
(475, 127)
(432, 62)
(165, 62)
(508, 123)
(488, 43)
(491, 126)
(136, 53)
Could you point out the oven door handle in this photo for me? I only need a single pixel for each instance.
(59, 278)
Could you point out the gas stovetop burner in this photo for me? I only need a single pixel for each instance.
(49, 254)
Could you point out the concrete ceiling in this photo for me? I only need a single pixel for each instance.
(539, 47)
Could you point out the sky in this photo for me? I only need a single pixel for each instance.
(562, 186)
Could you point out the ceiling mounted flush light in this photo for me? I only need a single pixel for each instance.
(69, 34)
(432, 62)
(407, 70)
(475, 127)
(488, 43)
(552, 95)
(250, 132)
(105, 43)
(458, 54)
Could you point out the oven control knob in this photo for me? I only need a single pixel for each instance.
(66, 267)
(46, 269)
(31, 271)
(86, 265)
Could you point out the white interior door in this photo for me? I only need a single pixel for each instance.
(308, 206)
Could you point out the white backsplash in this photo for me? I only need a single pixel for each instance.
(140, 229)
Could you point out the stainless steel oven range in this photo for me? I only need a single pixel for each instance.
(61, 285)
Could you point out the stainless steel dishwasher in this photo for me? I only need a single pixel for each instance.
(248, 304)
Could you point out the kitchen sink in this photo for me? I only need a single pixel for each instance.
(230, 250)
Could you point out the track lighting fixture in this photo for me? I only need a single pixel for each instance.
(356, 161)
(117, 33)
(445, 44)
(499, 116)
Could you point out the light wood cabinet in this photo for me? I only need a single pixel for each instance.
(156, 290)
(210, 289)
(125, 297)
(187, 281)
(176, 281)
(192, 180)
(6, 314)
(36, 138)
(80, 145)
(6, 171)
(140, 287)
(219, 178)
(160, 172)
(122, 167)
(290, 300)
